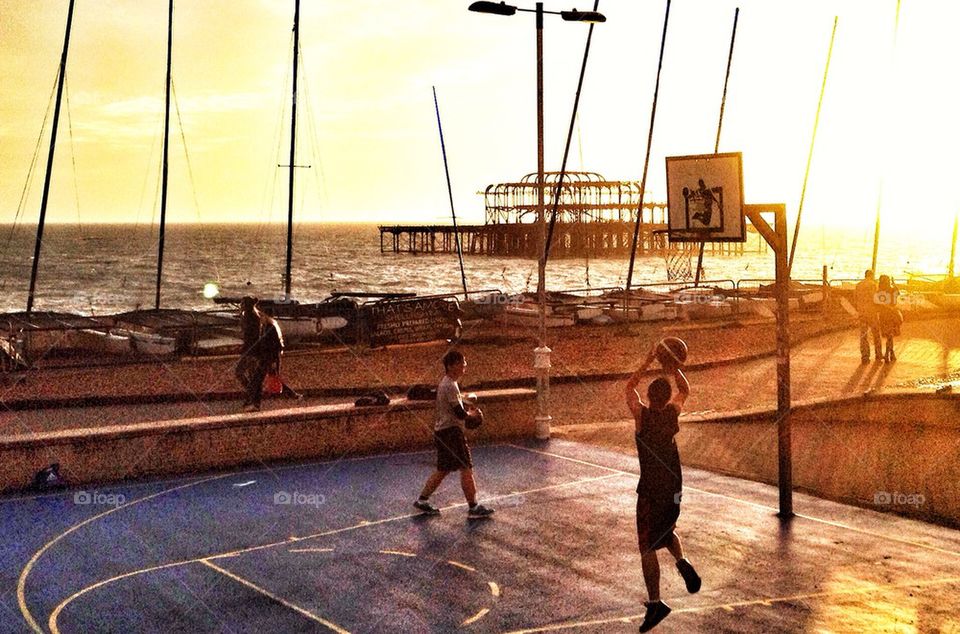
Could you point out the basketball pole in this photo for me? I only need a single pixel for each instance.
(776, 237)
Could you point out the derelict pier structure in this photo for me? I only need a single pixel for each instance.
(595, 217)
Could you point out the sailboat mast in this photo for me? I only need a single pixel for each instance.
(876, 228)
(953, 245)
(166, 147)
(646, 160)
(53, 145)
(716, 145)
(293, 148)
(453, 211)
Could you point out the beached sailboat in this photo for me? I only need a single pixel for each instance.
(37, 334)
(302, 321)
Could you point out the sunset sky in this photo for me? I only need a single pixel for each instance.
(369, 129)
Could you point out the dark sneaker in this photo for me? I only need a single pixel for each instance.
(250, 407)
(479, 511)
(426, 507)
(656, 612)
(690, 576)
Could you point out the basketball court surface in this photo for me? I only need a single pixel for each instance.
(337, 546)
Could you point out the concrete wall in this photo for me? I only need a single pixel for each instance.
(854, 450)
(217, 442)
(892, 452)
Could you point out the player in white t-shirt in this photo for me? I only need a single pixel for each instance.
(453, 453)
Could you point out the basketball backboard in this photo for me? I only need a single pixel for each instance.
(705, 198)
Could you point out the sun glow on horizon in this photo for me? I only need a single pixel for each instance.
(887, 133)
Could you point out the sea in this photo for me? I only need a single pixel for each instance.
(104, 269)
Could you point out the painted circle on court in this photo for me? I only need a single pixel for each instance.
(420, 576)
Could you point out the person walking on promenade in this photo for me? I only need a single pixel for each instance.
(250, 334)
(453, 453)
(889, 316)
(661, 481)
(864, 301)
(267, 353)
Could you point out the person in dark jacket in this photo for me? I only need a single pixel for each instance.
(889, 317)
(250, 334)
(267, 352)
(865, 303)
(661, 481)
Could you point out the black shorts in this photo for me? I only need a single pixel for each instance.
(656, 520)
(453, 453)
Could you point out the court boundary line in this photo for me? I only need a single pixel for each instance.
(291, 540)
(736, 604)
(855, 529)
(139, 484)
(612, 473)
(287, 604)
(191, 481)
(28, 568)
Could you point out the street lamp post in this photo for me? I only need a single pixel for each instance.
(541, 355)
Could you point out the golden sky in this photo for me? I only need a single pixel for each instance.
(369, 129)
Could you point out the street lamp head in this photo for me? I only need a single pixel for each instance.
(582, 16)
(496, 8)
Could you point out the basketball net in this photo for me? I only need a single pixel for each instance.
(679, 259)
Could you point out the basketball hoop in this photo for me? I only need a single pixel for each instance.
(679, 261)
(678, 257)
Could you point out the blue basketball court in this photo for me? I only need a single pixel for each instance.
(337, 546)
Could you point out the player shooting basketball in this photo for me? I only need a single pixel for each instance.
(661, 481)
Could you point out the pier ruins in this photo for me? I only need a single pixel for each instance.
(596, 217)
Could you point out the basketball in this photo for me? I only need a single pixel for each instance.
(474, 419)
(671, 352)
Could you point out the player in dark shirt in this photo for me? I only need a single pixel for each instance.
(661, 481)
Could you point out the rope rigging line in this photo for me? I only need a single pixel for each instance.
(32, 169)
(586, 252)
(156, 207)
(566, 150)
(147, 173)
(73, 154)
(319, 175)
(269, 197)
(193, 184)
